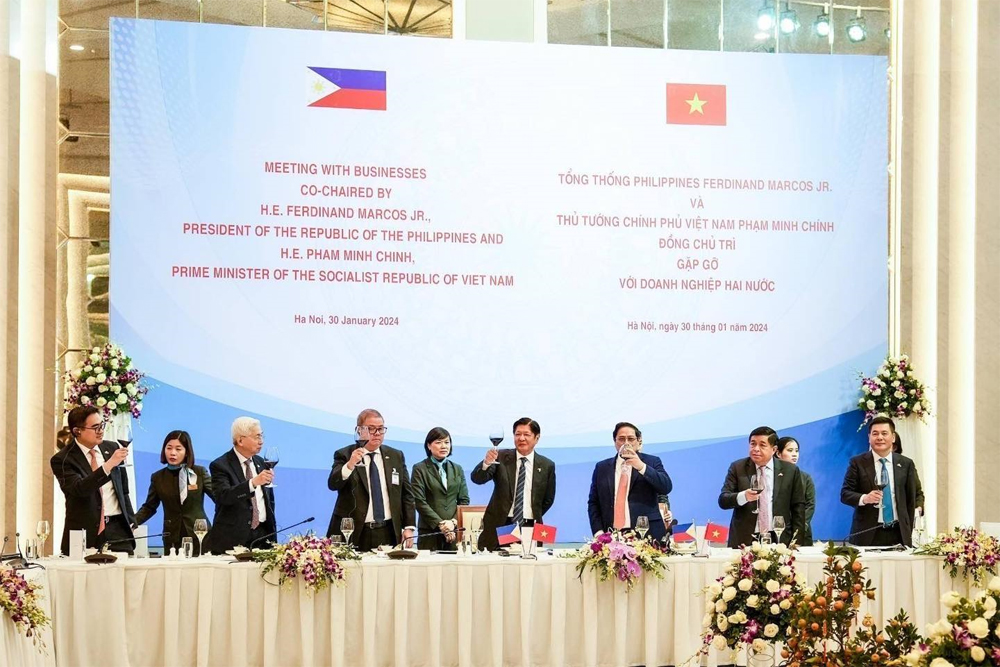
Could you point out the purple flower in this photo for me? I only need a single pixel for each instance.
(604, 538)
(596, 546)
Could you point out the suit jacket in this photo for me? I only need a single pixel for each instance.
(82, 488)
(787, 500)
(353, 494)
(809, 489)
(233, 503)
(435, 503)
(643, 494)
(504, 477)
(860, 479)
(178, 519)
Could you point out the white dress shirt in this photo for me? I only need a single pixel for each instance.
(108, 495)
(528, 474)
(258, 492)
(892, 483)
(346, 472)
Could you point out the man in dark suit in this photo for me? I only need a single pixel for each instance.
(95, 486)
(628, 486)
(524, 483)
(244, 505)
(782, 493)
(893, 523)
(373, 488)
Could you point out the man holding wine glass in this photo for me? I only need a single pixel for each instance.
(373, 489)
(625, 489)
(244, 504)
(761, 487)
(881, 486)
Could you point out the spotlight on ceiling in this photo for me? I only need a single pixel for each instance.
(857, 31)
(765, 17)
(821, 26)
(76, 47)
(789, 22)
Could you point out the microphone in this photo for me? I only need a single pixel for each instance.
(281, 530)
(891, 524)
(104, 547)
(417, 537)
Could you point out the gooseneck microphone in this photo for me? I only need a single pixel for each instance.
(281, 530)
(104, 547)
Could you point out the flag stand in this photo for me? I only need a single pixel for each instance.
(703, 548)
(528, 553)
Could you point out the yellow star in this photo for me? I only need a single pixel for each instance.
(696, 105)
(318, 86)
(545, 533)
(715, 533)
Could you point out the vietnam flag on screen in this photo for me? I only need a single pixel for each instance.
(544, 534)
(696, 104)
(338, 88)
(716, 533)
(509, 534)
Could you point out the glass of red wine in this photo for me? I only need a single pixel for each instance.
(496, 437)
(125, 435)
(757, 486)
(271, 456)
(881, 481)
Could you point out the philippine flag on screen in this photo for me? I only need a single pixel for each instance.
(338, 88)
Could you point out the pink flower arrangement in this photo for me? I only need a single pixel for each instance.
(105, 379)
(966, 550)
(893, 391)
(622, 557)
(21, 600)
(316, 560)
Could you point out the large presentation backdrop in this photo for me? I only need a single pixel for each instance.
(461, 233)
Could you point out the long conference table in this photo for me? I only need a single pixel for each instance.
(435, 610)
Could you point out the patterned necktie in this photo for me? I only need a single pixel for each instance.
(519, 491)
(254, 512)
(93, 466)
(621, 497)
(375, 482)
(764, 502)
(182, 483)
(886, 495)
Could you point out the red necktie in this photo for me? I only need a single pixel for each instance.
(621, 498)
(93, 466)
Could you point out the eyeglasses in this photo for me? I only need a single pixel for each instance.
(375, 430)
(627, 439)
(258, 436)
(96, 428)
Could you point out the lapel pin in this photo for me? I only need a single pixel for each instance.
(539, 470)
(781, 474)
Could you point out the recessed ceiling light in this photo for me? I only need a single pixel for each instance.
(76, 47)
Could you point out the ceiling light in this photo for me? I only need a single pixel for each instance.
(765, 18)
(76, 47)
(789, 22)
(856, 28)
(821, 26)
(761, 36)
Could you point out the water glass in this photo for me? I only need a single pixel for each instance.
(187, 547)
(30, 550)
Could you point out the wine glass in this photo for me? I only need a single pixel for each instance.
(125, 435)
(881, 481)
(42, 531)
(642, 526)
(271, 456)
(756, 485)
(347, 528)
(200, 531)
(496, 437)
(363, 435)
(778, 526)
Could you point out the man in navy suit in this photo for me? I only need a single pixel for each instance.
(627, 486)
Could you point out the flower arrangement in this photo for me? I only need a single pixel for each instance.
(22, 602)
(750, 605)
(893, 391)
(970, 635)
(317, 560)
(968, 551)
(105, 379)
(621, 556)
(823, 622)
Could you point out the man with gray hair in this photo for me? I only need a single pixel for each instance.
(244, 505)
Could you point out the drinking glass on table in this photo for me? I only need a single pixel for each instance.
(42, 531)
(778, 526)
(200, 531)
(347, 528)
(642, 526)
(187, 547)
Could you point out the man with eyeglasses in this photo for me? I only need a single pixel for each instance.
(244, 504)
(767, 484)
(627, 486)
(373, 488)
(94, 483)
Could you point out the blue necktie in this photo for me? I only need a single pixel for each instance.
(444, 476)
(886, 495)
(375, 482)
(519, 492)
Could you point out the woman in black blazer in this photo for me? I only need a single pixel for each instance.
(181, 506)
(788, 450)
(438, 489)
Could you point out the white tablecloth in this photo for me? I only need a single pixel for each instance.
(436, 610)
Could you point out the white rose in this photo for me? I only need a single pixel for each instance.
(721, 622)
(101, 402)
(912, 659)
(899, 394)
(102, 388)
(729, 594)
(88, 368)
(84, 400)
(95, 357)
(745, 585)
(728, 581)
(770, 630)
(101, 377)
(977, 653)
(113, 375)
(785, 571)
(753, 601)
(709, 604)
(130, 389)
(785, 604)
(759, 645)
(979, 627)
(707, 621)
(995, 584)
(772, 586)
(870, 405)
(903, 405)
(895, 383)
(761, 565)
(775, 609)
(940, 662)
(91, 381)
(939, 629)
(122, 399)
(719, 642)
(877, 392)
(951, 599)
(116, 389)
(98, 369)
(114, 363)
(720, 606)
(781, 549)
(991, 608)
